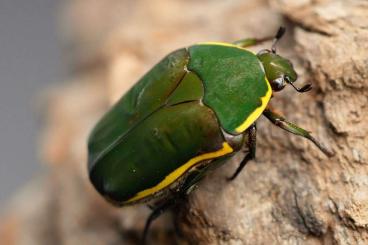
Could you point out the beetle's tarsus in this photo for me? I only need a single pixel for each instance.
(281, 31)
(277, 37)
(247, 158)
(154, 215)
(323, 148)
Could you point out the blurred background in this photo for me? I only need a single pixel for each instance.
(30, 62)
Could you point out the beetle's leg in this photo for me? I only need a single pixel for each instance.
(157, 211)
(281, 122)
(252, 133)
(248, 42)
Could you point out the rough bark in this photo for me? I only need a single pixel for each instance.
(291, 194)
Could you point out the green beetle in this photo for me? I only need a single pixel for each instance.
(194, 109)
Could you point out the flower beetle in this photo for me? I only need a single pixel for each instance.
(194, 109)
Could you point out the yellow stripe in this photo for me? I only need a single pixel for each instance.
(257, 112)
(169, 179)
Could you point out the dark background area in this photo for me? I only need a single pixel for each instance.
(29, 63)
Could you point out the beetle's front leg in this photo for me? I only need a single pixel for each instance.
(248, 42)
(281, 122)
(252, 135)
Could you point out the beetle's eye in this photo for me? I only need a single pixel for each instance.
(278, 84)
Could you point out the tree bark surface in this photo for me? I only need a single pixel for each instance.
(291, 194)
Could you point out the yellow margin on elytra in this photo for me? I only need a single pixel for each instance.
(169, 179)
(258, 111)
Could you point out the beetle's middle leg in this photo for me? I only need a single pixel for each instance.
(251, 143)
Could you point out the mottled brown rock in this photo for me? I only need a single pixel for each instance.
(294, 194)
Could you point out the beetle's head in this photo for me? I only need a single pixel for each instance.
(279, 70)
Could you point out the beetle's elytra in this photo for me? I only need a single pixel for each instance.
(193, 109)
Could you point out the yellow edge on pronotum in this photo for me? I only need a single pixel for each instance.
(169, 179)
(258, 111)
(264, 100)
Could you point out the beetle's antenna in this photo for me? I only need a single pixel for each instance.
(303, 89)
(277, 37)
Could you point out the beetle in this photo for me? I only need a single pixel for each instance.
(193, 110)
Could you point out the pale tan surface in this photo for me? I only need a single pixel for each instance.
(292, 194)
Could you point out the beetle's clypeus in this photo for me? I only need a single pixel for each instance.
(191, 111)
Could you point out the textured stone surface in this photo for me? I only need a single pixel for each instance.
(292, 193)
